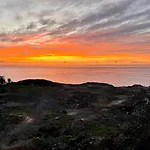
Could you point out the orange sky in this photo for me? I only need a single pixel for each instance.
(75, 32)
(73, 54)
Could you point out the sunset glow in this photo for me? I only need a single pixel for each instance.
(75, 32)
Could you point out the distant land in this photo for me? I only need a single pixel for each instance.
(41, 114)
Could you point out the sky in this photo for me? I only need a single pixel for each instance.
(75, 32)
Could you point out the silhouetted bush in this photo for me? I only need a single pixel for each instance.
(2, 80)
(38, 82)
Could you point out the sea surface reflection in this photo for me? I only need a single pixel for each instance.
(118, 76)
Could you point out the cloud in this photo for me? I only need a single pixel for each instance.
(47, 21)
(109, 9)
(32, 25)
(6, 39)
(83, 22)
(18, 18)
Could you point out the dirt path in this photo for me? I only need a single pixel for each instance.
(43, 102)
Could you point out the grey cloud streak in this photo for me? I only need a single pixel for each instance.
(93, 20)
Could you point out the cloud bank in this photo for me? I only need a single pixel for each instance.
(90, 22)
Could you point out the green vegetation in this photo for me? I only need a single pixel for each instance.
(39, 114)
(20, 111)
(7, 120)
(102, 130)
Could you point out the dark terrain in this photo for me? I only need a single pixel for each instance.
(43, 115)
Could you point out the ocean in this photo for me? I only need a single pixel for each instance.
(118, 76)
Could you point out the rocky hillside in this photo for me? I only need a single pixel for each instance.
(43, 115)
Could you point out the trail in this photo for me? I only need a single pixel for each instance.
(43, 102)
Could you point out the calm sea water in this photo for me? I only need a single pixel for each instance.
(118, 76)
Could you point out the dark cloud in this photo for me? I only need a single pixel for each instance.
(116, 14)
(48, 22)
(109, 10)
(18, 18)
(65, 28)
(81, 21)
(32, 25)
(128, 30)
(6, 39)
(18, 40)
(117, 21)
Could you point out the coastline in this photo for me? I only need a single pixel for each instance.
(37, 114)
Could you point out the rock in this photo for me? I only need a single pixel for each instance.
(82, 119)
(90, 142)
(57, 118)
(64, 112)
